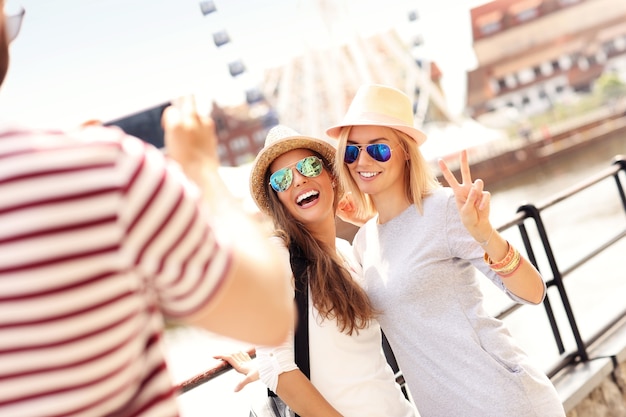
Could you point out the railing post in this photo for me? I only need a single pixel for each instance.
(532, 212)
(619, 160)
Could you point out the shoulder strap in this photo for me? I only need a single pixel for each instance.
(301, 338)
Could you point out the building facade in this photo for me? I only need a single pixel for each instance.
(533, 54)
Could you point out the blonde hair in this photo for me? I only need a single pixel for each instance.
(419, 178)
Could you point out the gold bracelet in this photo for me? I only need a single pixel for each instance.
(504, 275)
(506, 266)
(510, 252)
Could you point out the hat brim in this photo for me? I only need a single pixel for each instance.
(417, 135)
(258, 186)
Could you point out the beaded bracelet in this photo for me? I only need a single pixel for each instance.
(508, 265)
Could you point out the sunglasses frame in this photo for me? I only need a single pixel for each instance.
(372, 154)
(289, 168)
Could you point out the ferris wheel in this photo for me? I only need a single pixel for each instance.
(313, 91)
(229, 54)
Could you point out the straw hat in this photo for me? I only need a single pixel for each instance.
(281, 139)
(380, 105)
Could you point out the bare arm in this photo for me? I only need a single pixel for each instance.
(255, 303)
(474, 204)
(298, 392)
(295, 389)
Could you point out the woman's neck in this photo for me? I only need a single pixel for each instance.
(390, 206)
(325, 231)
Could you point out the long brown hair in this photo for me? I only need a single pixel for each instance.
(334, 292)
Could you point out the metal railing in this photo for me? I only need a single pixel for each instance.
(527, 213)
(533, 213)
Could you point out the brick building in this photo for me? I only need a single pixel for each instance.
(532, 54)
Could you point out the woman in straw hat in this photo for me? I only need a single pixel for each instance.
(419, 253)
(292, 181)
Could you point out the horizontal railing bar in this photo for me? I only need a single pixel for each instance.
(593, 253)
(208, 375)
(565, 359)
(509, 310)
(568, 192)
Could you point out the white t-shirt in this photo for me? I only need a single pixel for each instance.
(350, 371)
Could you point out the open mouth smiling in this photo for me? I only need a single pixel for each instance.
(307, 197)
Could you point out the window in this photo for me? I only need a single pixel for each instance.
(565, 62)
(526, 76)
(490, 28)
(527, 14)
(510, 81)
(494, 85)
(259, 136)
(546, 68)
(222, 152)
(238, 144)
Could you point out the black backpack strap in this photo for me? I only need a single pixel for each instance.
(301, 342)
(301, 337)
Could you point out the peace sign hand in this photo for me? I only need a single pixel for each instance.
(472, 201)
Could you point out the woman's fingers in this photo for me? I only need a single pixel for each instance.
(447, 174)
(466, 175)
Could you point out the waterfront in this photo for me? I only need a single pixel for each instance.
(596, 291)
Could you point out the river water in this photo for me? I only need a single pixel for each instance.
(596, 291)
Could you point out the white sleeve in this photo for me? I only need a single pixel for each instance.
(274, 361)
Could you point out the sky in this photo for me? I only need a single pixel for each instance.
(77, 60)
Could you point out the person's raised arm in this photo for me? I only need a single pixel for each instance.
(473, 204)
(255, 303)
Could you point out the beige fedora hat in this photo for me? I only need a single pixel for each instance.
(279, 140)
(380, 105)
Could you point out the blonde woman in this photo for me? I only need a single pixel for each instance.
(419, 253)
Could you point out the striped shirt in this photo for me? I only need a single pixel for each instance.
(100, 238)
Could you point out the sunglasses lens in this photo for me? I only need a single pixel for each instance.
(310, 167)
(352, 153)
(281, 180)
(379, 151)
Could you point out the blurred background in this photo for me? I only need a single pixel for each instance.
(533, 89)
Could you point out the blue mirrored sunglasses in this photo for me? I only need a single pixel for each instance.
(379, 151)
(310, 167)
